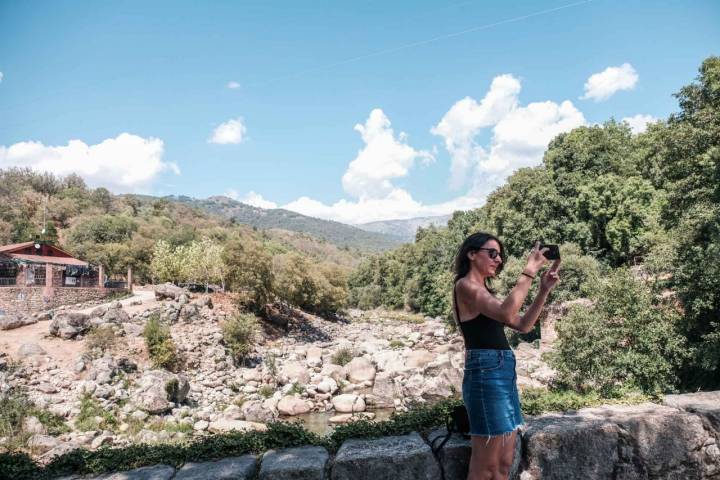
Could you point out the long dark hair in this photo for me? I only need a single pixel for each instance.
(473, 244)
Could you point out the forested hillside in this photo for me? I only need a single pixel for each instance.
(614, 200)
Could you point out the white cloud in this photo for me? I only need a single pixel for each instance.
(638, 123)
(383, 158)
(232, 131)
(125, 163)
(1, 77)
(601, 86)
(467, 117)
(233, 85)
(256, 200)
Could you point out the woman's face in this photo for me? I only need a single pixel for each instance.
(481, 260)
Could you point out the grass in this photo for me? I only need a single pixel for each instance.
(266, 391)
(342, 356)
(14, 409)
(397, 344)
(93, 416)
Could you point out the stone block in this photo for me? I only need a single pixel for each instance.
(233, 468)
(302, 463)
(156, 472)
(405, 457)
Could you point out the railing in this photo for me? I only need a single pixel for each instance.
(8, 281)
(115, 284)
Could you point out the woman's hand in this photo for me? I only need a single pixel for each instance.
(550, 278)
(536, 259)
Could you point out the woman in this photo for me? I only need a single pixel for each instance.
(489, 384)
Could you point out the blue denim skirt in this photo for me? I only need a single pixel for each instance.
(490, 392)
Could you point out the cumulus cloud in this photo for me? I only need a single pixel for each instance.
(601, 86)
(125, 163)
(232, 131)
(257, 200)
(460, 125)
(518, 137)
(383, 158)
(638, 123)
(232, 85)
(1, 77)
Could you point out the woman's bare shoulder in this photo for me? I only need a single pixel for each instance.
(469, 289)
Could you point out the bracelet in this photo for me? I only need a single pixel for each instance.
(527, 275)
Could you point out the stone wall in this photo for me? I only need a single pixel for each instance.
(34, 299)
(676, 440)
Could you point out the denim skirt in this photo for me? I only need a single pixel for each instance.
(490, 392)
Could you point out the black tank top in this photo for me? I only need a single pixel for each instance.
(481, 331)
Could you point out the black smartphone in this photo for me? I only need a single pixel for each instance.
(553, 252)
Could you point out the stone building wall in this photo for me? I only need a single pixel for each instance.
(34, 299)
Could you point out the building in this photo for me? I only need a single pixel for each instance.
(37, 276)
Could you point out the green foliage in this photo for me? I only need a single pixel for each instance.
(160, 345)
(93, 416)
(342, 356)
(15, 407)
(396, 344)
(250, 273)
(238, 334)
(629, 339)
(266, 391)
(536, 401)
(100, 340)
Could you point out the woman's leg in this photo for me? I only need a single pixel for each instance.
(491, 459)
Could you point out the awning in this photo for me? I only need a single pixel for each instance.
(47, 259)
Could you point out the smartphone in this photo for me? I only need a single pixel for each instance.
(553, 252)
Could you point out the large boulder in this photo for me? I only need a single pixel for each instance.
(30, 349)
(302, 463)
(384, 390)
(116, 314)
(189, 313)
(168, 290)
(10, 321)
(232, 468)
(293, 406)
(254, 411)
(348, 403)
(224, 425)
(68, 325)
(359, 370)
(419, 358)
(158, 390)
(294, 372)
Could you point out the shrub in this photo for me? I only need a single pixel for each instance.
(100, 340)
(160, 345)
(238, 333)
(266, 391)
(629, 339)
(93, 416)
(396, 344)
(15, 407)
(342, 356)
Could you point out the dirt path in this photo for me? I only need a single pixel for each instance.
(66, 352)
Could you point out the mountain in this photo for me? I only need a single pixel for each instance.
(404, 229)
(337, 233)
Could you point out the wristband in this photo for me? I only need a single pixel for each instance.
(528, 275)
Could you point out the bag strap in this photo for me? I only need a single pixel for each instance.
(450, 426)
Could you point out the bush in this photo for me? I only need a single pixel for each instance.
(238, 334)
(15, 407)
(342, 356)
(266, 391)
(629, 339)
(100, 340)
(160, 345)
(93, 416)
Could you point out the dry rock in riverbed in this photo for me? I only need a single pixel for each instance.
(359, 370)
(67, 325)
(168, 290)
(157, 389)
(348, 403)
(15, 320)
(293, 406)
(30, 349)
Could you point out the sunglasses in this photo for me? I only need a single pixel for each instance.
(492, 253)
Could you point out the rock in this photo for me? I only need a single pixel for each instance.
(303, 463)
(67, 325)
(232, 468)
(384, 390)
(157, 388)
(419, 358)
(292, 372)
(16, 320)
(201, 425)
(359, 370)
(405, 457)
(336, 372)
(254, 411)
(39, 444)
(30, 349)
(348, 403)
(116, 314)
(327, 385)
(156, 472)
(33, 425)
(313, 357)
(100, 441)
(252, 375)
(349, 417)
(293, 406)
(390, 361)
(189, 313)
(223, 425)
(168, 290)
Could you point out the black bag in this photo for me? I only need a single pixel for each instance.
(457, 421)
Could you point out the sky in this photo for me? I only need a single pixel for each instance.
(350, 111)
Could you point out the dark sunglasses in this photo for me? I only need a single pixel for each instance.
(492, 253)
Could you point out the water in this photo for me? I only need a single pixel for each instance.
(319, 422)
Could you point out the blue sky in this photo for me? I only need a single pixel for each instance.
(354, 111)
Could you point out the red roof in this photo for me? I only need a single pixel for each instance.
(46, 259)
(15, 246)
